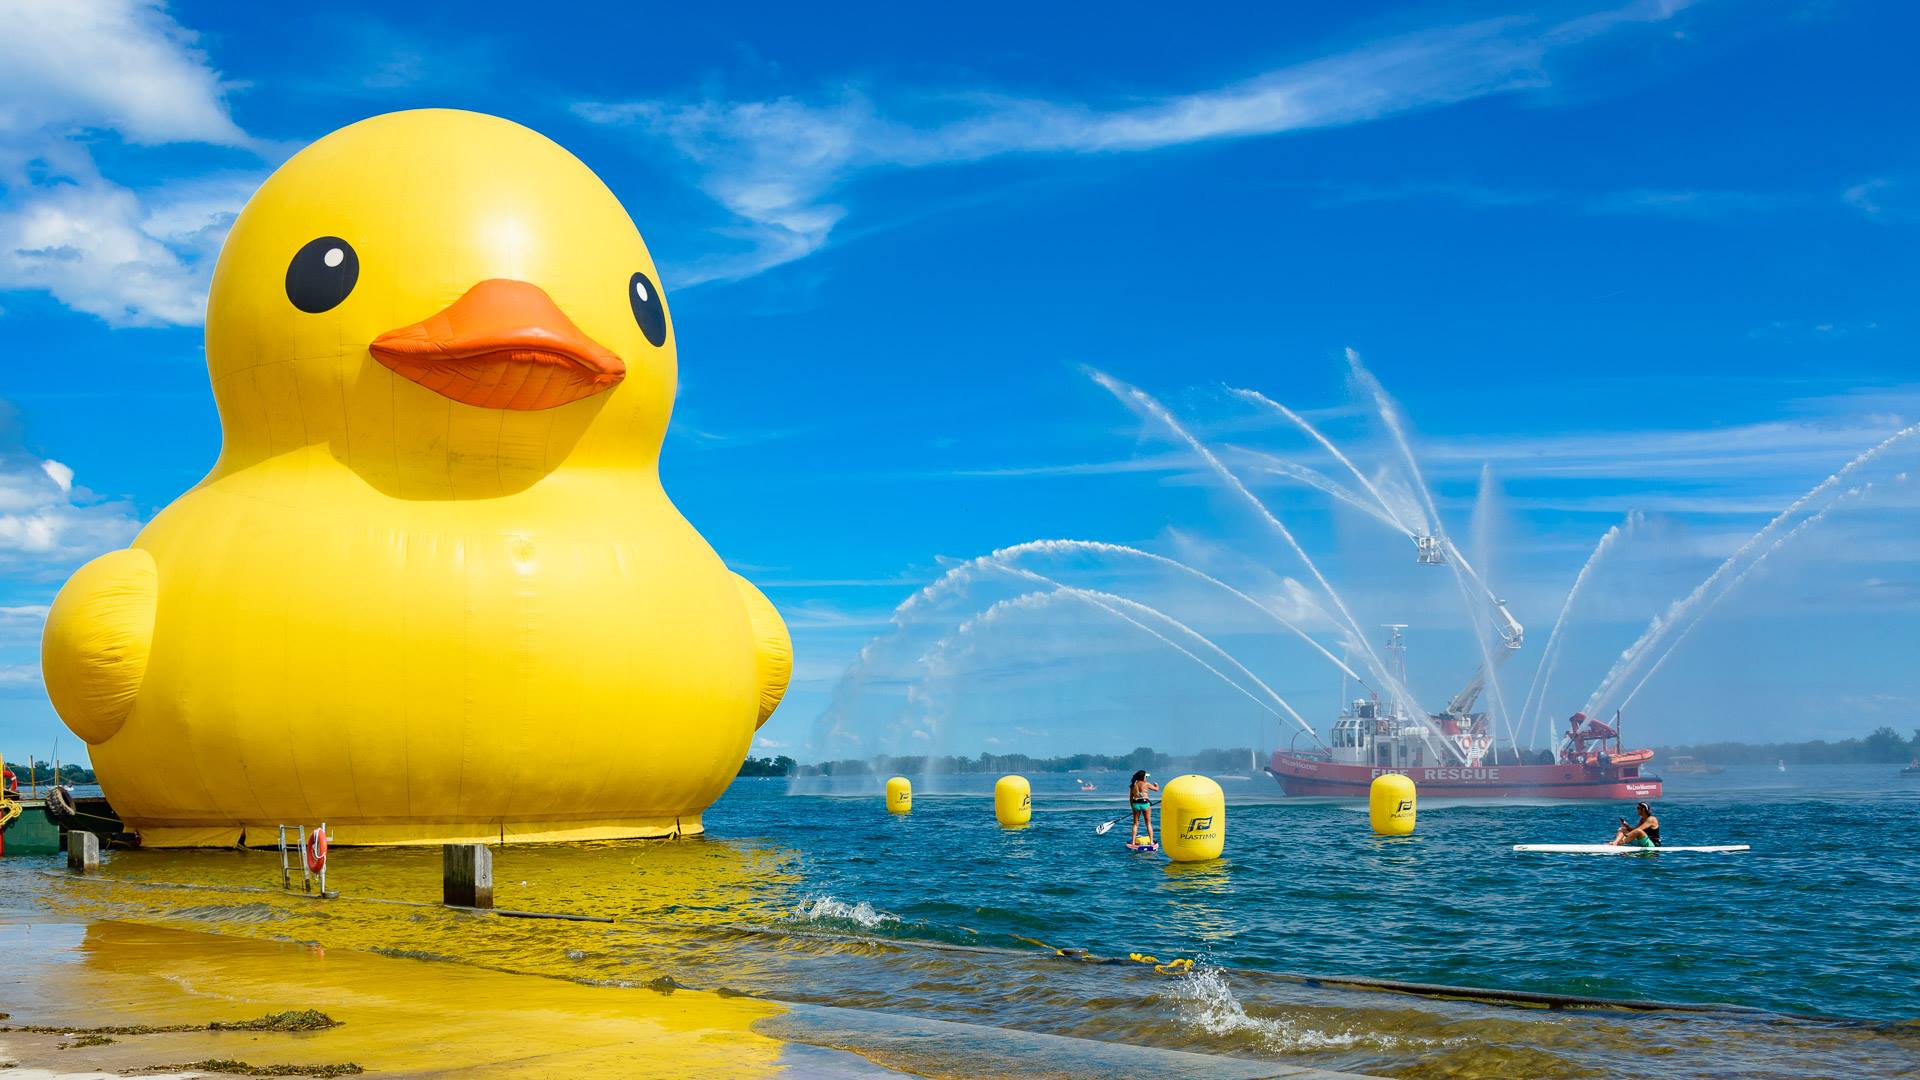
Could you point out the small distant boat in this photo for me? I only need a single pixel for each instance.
(1783, 765)
(1912, 772)
(1693, 765)
(1084, 786)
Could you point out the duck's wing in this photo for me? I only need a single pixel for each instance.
(99, 632)
(773, 648)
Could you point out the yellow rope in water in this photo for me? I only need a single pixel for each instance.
(1044, 945)
(1171, 967)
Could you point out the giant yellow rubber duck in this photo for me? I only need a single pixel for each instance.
(432, 590)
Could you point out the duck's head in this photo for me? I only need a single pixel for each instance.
(448, 302)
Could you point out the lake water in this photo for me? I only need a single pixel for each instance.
(825, 898)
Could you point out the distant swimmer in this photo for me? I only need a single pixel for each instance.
(1137, 799)
(1645, 834)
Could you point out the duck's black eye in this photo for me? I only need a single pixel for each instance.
(322, 274)
(648, 309)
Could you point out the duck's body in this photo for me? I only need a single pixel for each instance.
(431, 670)
(424, 600)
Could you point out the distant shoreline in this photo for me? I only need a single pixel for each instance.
(1882, 747)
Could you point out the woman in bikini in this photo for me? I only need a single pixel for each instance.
(1137, 798)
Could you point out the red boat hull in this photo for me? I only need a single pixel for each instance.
(1308, 776)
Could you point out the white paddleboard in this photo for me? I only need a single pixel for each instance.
(1616, 849)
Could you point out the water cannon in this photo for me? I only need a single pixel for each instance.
(1430, 550)
(1512, 634)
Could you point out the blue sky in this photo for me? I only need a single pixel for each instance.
(1652, 257)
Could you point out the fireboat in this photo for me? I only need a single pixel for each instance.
(1453, 753)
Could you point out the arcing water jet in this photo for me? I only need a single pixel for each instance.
(1113, 605)
(1662, 624)
(1807, 523)
(1299, 421)
(1007, 555)
(1140, 401)
(1550, 655)
(1282, 467)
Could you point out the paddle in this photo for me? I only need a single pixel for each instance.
(1105, 827)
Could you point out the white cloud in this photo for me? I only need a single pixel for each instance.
(1703, 204)
(20, 624)
(1785, 328)
(68, 70)
(815, 670)
(84, 244)
(1789, 449)
(819, 615)
(1766, 448)
(122, 65)
(1867, 197)
(776, 164)
(132, 260)
(61, 475)
(48, 527)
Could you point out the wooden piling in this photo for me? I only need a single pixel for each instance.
(83, 852)
(466, 875)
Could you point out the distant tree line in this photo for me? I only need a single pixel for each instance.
(42, 773)
(768, 766)
(1213, 761)
(1883, 747)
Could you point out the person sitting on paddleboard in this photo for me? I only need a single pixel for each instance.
(1137, 799)
(1645, 834)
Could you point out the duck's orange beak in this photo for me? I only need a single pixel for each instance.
(504, 345)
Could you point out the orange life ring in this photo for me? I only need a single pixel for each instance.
(316, 851)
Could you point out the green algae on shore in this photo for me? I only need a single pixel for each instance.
(291, 1020)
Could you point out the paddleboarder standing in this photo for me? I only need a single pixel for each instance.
(1137, 800)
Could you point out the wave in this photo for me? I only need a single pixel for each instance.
(1207, 1002)
(828, 909)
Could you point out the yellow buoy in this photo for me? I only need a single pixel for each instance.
(899, 795)
(1193, 819)
(1390, 804)
(1013, 801)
